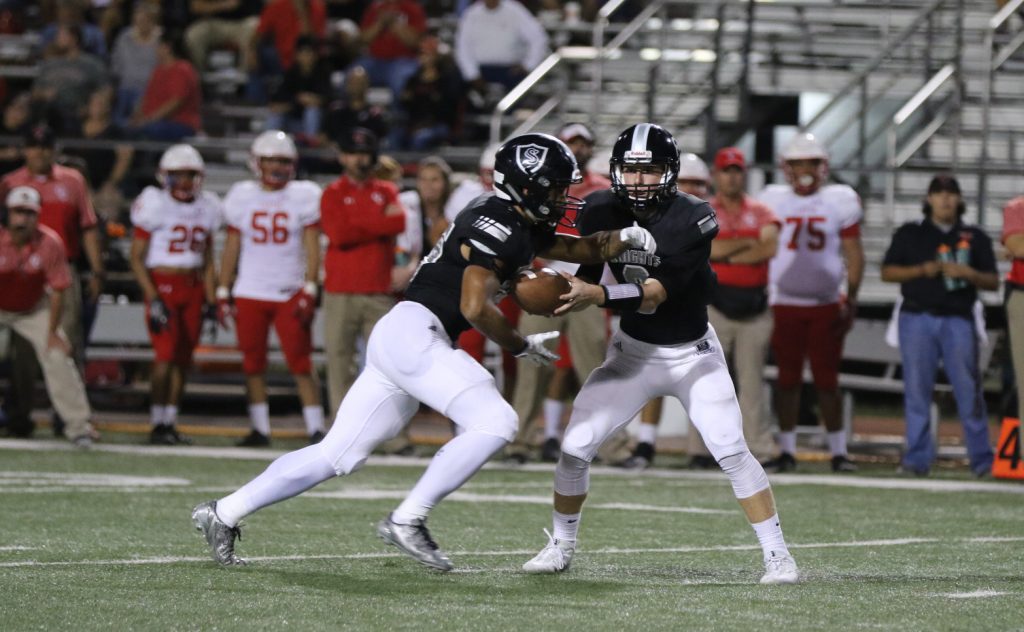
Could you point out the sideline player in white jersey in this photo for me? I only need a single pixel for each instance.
(819, 240)
(274, 244)
(172, 260)
(410, 357)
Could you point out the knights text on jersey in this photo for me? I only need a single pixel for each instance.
(499, 239)
(272, 264)
(178, 232)
(808, 268)
(681, 264)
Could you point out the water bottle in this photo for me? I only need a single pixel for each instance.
(963, 257)
(945, 255)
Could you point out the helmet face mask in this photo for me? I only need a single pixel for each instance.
(805, 164)
(183, 185)
(534, 171)
(275, 171)
(181, 172)
(644, 167)
(274, 157)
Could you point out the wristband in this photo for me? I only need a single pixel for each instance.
(310, 288)
(623, 297)
(223, 293)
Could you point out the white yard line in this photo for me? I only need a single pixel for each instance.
(606, 551)
(88, 479)
(977, 594)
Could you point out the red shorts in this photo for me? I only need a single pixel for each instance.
(814, 333)
(253, 319)
(184, 296)
(472, 341)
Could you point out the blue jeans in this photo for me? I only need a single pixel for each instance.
(167, 131)
(124, 107)
(393, 73)
(308, 124)
(924, 340)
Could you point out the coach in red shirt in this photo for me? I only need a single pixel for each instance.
(169, 110)
(32, 262)
(361, 216)
(748, 237)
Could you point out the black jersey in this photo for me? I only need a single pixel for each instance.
(682, 264)
(499, 238)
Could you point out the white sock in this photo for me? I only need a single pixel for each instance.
(787, 442)
(156, 414)
(553, 418)
(647, 433)
(259, 417)
(288, 476)
(769, 534)
(314, 418)
(453, 465)
(566, 526)
(837, 443)
(170, 414)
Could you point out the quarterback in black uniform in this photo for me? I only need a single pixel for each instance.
(410, 357)
(665, 345)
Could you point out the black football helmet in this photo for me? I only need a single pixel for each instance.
(534, 171)
(644, 145)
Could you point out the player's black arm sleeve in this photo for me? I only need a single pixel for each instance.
(591, 273)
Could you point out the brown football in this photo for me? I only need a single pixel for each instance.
(537, 291)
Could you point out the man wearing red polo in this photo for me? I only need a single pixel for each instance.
(32, 260)
(67, 210)
(361, 216)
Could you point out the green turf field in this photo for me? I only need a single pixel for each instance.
(103, 540)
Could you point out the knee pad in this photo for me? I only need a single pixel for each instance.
(745, 473)
(572, 476)
(482, 409)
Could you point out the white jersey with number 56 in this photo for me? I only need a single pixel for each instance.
(808, 269)
(178, 232)
(272, 263)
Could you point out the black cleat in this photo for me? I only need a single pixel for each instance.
(255, 439)
(551, 451)
(785, 462)
(314, 438)
(702, 462)
(840, 463)
(166, 434)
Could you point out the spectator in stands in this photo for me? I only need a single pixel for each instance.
(298, 105)
(391, 31)
(498, 41)
(748, 238)
(67, 77)
(428, 101)
(71, 13)
(284, 22)
(347, 9)
(361, 217)
(16, 119)
(219, 22)
(941, 262)
(134, 58)
(821, 235)
(34, 276)
(1013, 240)
(355, 110)
(169, 109)
(427, 200)
(105, 168)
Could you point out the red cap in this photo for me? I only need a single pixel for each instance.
(730, 157)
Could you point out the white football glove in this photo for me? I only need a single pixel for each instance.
(535, 350)
(638, 237)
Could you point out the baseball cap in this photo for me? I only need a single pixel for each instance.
(944, 182)
(730, 157)
(39, 136)
(359, 140)
(575, 130)
(24, 197)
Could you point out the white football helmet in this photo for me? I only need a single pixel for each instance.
(805, 146)
(177, 159)
(694, 176)
(274, 144)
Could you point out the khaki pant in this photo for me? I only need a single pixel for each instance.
(63, 382)
(746, 342)
(585, 331)
(203, 35)
(1015, 325)
(346, 318)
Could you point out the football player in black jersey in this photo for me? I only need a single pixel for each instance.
(410, 357)
(665, 345)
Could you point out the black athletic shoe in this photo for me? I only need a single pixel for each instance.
(166, 434)
(641, 459)
(702, 462)
(255, 439)
(785, 462)
(314, 438)
(842, 464)
(551, 450)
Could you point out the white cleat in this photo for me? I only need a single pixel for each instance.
(553, 558)
(780, 569)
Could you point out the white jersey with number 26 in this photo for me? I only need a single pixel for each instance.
(178, 231)
(808, 269)
(272, 264)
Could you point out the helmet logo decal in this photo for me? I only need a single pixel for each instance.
(530, 158)
(639, 155)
